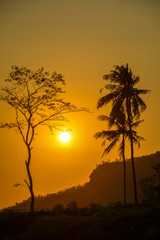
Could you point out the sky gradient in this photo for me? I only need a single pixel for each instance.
(82, 39)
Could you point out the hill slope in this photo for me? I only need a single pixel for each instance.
(105, 185)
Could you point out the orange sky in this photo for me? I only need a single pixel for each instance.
(81, 39)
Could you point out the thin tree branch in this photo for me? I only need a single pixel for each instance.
(19, 127)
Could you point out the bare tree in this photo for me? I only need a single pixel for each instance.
(36, 98)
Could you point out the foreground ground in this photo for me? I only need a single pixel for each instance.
(87, 224)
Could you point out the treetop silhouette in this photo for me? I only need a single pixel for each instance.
(36, 97)
(126, 101)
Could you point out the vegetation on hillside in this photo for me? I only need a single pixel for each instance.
(105, 186)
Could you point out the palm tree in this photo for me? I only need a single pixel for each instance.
(124, 94)
(121, 132)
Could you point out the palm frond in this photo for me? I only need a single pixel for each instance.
(141, 104)
(106, 77)
(136, 124)
(115, 134)
(136, 80)
(103, 118)
(103, 143)
(109, 148)
(106, 99)
(121, 117)
(115, 77)
(135, 107)
(137, 137)
(101, 90)
(136, 141)
(112, 122)
(103, 134)
(109, 120)
(116, 109)
(142, 91)
(127, 133)
(111, 87)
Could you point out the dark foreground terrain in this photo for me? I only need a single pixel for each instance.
(114, 222)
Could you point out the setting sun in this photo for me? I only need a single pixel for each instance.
(65, 137)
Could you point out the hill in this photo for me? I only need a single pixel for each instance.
(105, 186)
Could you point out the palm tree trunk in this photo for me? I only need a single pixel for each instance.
(133, 169)
(30, 185)
(124, 171)
(132, 152)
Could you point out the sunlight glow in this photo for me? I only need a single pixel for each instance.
(65, 137)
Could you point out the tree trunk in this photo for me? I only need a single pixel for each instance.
(132, 152)
(30, 184)
(124, 171)
(133, 169)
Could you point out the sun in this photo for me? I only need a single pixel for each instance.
(65, 137)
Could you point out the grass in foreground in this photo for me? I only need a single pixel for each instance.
(110, 223)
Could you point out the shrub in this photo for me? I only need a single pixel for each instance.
(58, 208)
(73, 206)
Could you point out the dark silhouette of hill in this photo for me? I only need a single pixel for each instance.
(105, 186)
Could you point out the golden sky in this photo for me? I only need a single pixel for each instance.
(82, 39)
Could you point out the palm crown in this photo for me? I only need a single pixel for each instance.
(114, 136)
(123, 92)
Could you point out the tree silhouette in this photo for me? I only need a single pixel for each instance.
(36, 98)
(120, 133)
(124, 94)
